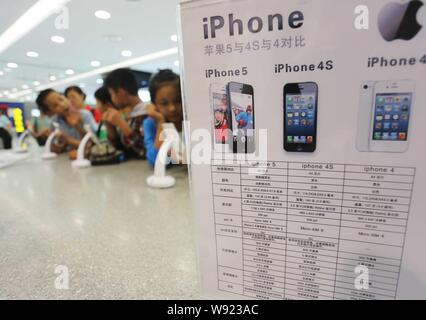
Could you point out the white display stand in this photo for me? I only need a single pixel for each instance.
(21, 142)
(48, 154)
(332, 203)
(160, 180)
(81, 162)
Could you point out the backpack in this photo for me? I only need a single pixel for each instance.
(105, 153)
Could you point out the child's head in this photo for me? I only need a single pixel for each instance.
(122, 86)
(164, 88)
(103, 99)
(76, 96)
(51, 102)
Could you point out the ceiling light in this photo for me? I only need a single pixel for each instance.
(1, 73)
(95, 63)
(36, 83)
(25, 87)
(52, 78)
(100, 81)
(5, 92)
(126, 53)
(32, 54)
(69, 72)
(12, 65)
(174, 38)
(57, 39)
(176, 63)
(39, 12)
(102, 14)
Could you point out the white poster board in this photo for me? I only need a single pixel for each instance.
(332, 203)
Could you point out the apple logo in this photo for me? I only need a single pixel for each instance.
(398, 20)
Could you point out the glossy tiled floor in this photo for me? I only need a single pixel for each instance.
(117, 238)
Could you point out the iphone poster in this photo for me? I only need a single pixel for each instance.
(306, 121)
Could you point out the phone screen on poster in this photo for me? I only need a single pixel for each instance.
(242, 109)
(300, 127)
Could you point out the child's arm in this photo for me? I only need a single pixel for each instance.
(114, 118)
(69, 141)
(61, 142)
(159, 119)
(111, 133)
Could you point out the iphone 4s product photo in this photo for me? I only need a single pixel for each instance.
(391, 116)
(222, 119)
(241, 103)
(300, 117)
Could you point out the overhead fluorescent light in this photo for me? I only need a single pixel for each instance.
(95, 63)
(69, 72)
(106, 69)
(126, 53)
(32, 54)
(174, 38)
(35, 15)
(102, 14)
(12, 65)
(36, 83)
(57, 39)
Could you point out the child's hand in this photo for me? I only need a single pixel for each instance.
(55, 148)
(153, 113)
(112, 116)
(72, 154)
(45, 133)
(61, 139)
(59, 144)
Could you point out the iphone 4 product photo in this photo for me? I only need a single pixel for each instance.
(391, 116)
